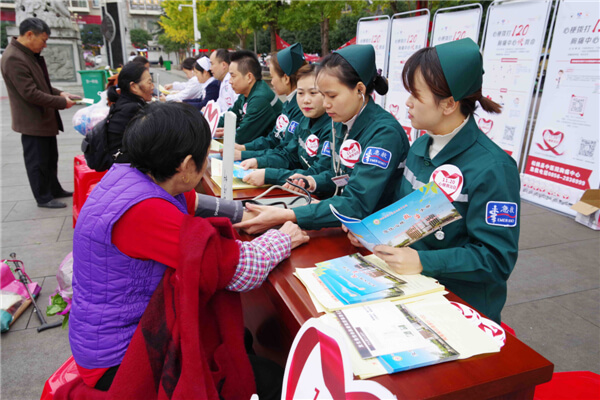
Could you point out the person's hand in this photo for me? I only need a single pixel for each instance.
(240, 147)
(168, 86)
(237, 155)
(353, 239)
(255, 178)
(70, 103)
(403, 260)
(219, 132)
(162, 98)
(297, 235)
(298, 180)
(267, 217)
(250, 163)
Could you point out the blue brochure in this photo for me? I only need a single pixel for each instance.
(408, 220)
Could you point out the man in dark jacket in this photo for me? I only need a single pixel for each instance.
(34, 106)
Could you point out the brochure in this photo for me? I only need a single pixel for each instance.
(416, 334)
(354, 279)
(216, 172)
(408, 220)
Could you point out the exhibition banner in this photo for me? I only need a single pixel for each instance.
(409, 34)
(564, 157)
(376, 32)
(451, 25)
(511, 59)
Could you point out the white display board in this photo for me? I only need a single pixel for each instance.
(376, 32)
(511, 59)
(564, 154)
(409, 34)
(455, 23)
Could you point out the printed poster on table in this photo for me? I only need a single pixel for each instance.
(375, 31)
(409, 34)
(456, 25)
(511, 59)
(563, 159)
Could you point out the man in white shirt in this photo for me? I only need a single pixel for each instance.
(219, 60)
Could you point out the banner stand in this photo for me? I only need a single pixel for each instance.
(466, 7)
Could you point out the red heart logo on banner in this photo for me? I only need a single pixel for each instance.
(449, 183)
(332, 374)
(394, 108)
(485, 125)
(551, 141)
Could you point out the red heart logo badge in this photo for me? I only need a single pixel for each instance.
(485, 125)
(319, 367)
(450, 179)
(312, 145)
(350, 153)
(282, 122)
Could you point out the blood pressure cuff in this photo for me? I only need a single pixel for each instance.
(210, 206)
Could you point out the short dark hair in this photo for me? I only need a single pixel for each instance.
(247, 62)
(337, 66)
(131, 73)
(427, 61)
(140, 60)
(188, 63)
(34, 25)
(223, 55)
(161, 135)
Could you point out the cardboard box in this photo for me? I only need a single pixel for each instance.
(588, 209)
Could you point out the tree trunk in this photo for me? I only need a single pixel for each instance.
(273, 29)
(324, 37)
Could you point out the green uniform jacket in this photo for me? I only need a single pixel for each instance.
(301, 157)
(283, 131)
(371, 181)
(256, 114)
(475, 259)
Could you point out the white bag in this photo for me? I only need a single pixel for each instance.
(85, 119)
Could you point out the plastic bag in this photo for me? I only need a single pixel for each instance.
(85, 119)
(60, 300)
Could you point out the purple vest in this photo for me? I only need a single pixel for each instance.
(110, 290)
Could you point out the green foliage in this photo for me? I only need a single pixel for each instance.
(58, 304)
(3, 37)
(140, 38)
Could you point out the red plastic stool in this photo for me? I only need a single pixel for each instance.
(85, 179)
(66, 373)
(573, 385)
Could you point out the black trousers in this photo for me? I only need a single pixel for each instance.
(41, 162)
(268, 377)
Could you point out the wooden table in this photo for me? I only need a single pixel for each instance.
(275, 312)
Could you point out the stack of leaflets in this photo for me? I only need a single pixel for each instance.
(355, 279)
(390, 337)
(408, 220)
(216, 172)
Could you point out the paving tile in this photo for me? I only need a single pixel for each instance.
(28, 210)
(585, 304)
(563, 337)
(5, 208)
(550, 229)
(554, 270)
(40, 259)
(16, 193)
(20, 233)
(531, 209)
(66, 232)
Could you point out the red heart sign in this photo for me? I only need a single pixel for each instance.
(394, 108)
(211, 114)
(551, 141)
(312, 145)
(450, 183)
(350, 153)
(485, 125)
(319, 367)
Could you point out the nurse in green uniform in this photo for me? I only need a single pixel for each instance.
(368, 146)
(256, 107)
(283, 67)
(472, 257)
(310, 151)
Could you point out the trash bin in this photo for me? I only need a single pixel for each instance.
(167, 65)
(94, 82)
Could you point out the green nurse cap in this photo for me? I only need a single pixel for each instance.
(462, 65)
(362, 58)
(291, 58)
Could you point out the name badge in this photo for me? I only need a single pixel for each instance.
(341, 181)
